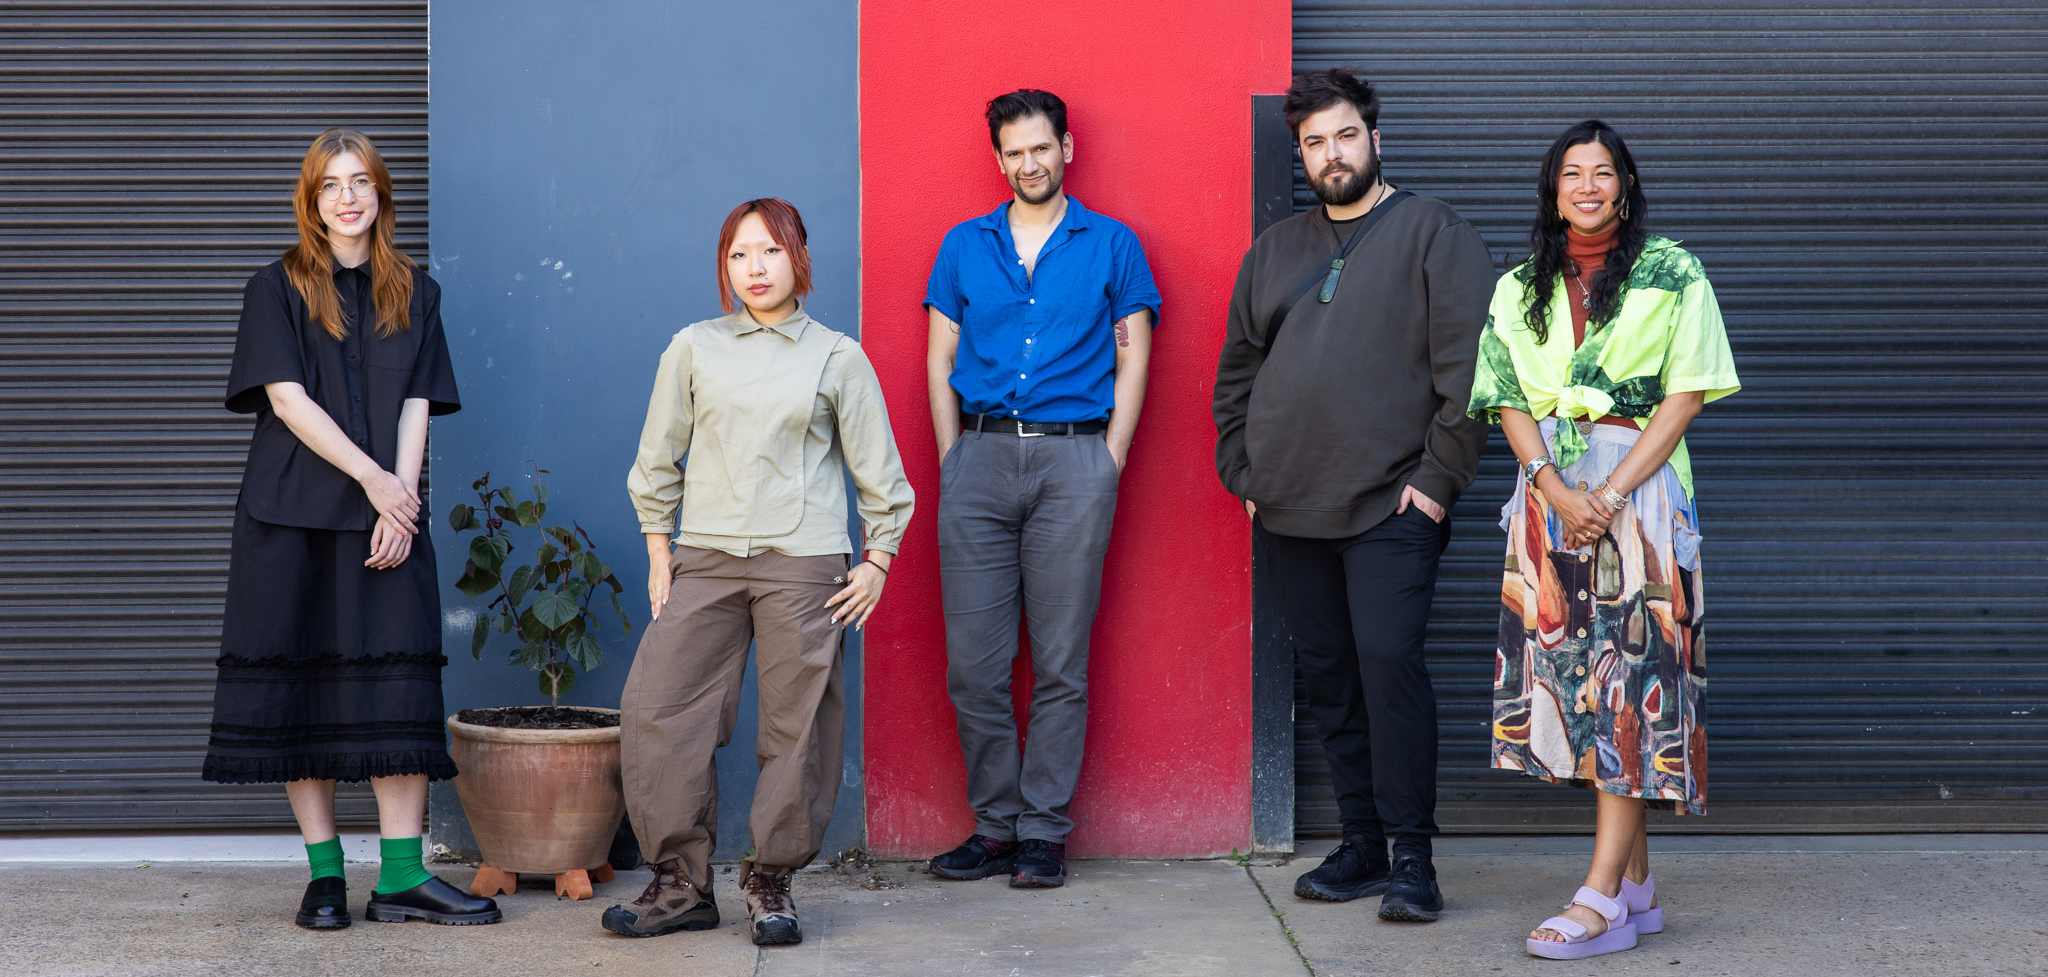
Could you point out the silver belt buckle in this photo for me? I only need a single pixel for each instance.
(1028, 434)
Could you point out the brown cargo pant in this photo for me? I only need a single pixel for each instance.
(682, 700)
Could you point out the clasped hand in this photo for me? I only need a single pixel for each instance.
(1585, 515)
(863, 591)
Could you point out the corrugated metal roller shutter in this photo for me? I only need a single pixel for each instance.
(147, 157)
(1865, 184)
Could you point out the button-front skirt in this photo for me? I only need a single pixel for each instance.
(1600, 670)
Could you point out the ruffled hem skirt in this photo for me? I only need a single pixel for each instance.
(328, 670)
(1600, 672)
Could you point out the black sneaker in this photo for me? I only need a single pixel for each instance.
(1040, 865)
(1357, 868)
(979, 857)
(1412, 895)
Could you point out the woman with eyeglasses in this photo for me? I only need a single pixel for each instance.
(330, 659)
(1598, 352)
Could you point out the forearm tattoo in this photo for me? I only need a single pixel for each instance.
(1123, 331)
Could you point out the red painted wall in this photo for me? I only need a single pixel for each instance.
(1158, 94)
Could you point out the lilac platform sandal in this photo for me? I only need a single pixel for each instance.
(1620, 934)
(1648, 919)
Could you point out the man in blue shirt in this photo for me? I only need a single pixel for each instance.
(1041, 325)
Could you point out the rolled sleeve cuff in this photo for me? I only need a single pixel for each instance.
(943, 306)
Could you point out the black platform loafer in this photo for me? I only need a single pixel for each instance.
(325, 905)
(434, 901)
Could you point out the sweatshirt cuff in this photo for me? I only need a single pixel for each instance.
(1435, 484)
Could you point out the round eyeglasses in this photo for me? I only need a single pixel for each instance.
(360, 186)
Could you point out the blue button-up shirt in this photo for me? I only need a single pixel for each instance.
(1040, 347)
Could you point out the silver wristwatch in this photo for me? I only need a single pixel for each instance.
(1536, 466)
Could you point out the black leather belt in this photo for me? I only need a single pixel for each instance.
(1029, 429)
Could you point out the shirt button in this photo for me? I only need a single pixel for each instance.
(1027, 342)
(1582, 595)
(1030, 301)
(1020, 376)
(1582, 486)
(1013, 413)
(1582, 632)
(1020, 261)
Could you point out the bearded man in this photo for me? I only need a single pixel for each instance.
(1346, 437)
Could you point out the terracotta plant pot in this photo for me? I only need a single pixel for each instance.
(544, 801)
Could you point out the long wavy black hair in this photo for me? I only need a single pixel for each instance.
(1547, 238)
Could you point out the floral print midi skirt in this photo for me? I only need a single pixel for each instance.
(1600, 672)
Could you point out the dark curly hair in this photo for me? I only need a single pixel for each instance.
(1548, 257)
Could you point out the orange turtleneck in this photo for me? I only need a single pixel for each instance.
(1589, 255)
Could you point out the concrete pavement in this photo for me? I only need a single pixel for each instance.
(1955, 906)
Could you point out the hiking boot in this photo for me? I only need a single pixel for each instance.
(1358, 867)
(979, 857)
(1040, 865)
(1412, 895)
(772, 910)
(667, 904)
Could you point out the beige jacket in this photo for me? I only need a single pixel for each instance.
(771, 419)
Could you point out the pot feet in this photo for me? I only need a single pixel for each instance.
(576, 883)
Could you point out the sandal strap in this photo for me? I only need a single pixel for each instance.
(1613, 910)
(1639, 895)
(1573, 930)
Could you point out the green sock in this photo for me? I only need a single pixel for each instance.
(326, 859)
(401, 868)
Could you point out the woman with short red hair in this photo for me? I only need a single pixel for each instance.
(773, 410)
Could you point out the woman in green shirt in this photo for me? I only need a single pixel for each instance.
(1600, 670)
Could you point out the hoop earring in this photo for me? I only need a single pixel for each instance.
(1624, 208)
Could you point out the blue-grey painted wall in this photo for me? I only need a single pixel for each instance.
(583, 157)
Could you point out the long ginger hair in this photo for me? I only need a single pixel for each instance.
(310, 263)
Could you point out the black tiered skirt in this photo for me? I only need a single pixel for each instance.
(328, 670)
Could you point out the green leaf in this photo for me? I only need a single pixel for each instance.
(575, 589)
(563, 537)
(532, 655)
(546, 554)
(540, 492)
(506, 513)
(505, 492)
(540, 509)
(475, 581)
(613, 580)
(555, 609)
(525, 515)
(588, 565)
(556, 680)
(502, 623)
(461, 518)
(479, 636)
(488, 553)
(586, 651)
(530, 627)
(624, 621)
(522, 581)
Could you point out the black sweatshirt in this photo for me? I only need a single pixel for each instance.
(1363, 395)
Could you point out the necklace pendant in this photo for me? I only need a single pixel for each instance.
(1329, 290)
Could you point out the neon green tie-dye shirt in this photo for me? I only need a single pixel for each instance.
(1668, 338)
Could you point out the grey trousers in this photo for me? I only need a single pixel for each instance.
(1023, 525)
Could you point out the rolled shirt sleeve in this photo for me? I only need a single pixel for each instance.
(656, 481)
(266, 345)
(883, 494)
(1131, 285)
(942, 291)
(433, 373)
(1699, 357)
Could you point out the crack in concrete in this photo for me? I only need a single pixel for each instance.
(1280, 919)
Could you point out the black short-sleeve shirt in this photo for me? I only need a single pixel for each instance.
(361, 382)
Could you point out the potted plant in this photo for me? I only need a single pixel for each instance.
(540, 783)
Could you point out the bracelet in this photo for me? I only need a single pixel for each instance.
(1615, 500)
(1535, 467)
(885, 570)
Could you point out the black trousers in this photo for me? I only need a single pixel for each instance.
(1356, 609)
